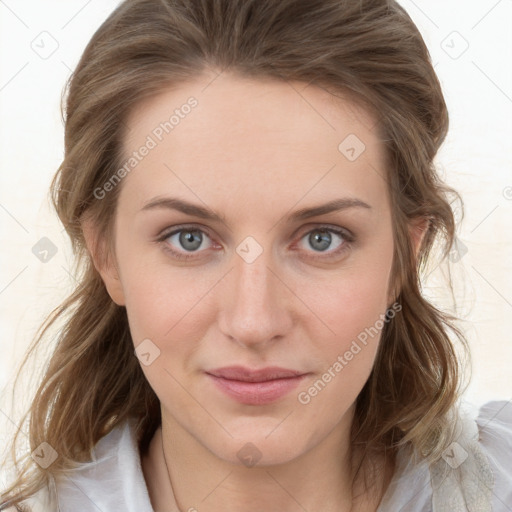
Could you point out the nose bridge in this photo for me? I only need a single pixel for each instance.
(254, 282)
(256, 311)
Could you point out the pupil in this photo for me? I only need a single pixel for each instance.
(188, 237)
(322, 236)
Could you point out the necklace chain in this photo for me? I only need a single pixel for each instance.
(167, 468)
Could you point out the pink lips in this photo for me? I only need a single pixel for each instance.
(256, 387)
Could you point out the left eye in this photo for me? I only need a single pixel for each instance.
(321, 238)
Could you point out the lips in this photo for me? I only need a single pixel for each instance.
(248, 375)
(255, 387)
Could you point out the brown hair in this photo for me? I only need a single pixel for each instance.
(368, 49)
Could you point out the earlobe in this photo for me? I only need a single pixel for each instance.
(103, 262)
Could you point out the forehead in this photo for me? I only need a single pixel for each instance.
(225, 134)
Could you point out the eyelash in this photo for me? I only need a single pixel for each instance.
(348, 239)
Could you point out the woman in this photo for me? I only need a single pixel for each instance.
(250, 188)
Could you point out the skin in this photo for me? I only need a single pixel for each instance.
(253, 151)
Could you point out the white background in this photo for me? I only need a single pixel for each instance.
(476, 159)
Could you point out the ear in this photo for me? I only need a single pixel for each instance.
(418, 227)
(103, 262)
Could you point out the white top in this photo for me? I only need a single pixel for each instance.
(475, 473)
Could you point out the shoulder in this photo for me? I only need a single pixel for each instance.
(476, 467)
(41, 501)
(111, 480)
(494, 423)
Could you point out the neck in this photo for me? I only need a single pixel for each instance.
(183, 475)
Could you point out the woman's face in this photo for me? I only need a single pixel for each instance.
(261, 284)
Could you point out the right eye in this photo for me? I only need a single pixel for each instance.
(184, 242)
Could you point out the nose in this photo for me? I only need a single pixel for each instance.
(256, 303)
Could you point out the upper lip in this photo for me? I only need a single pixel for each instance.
(241, 373)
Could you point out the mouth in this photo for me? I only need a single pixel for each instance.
(256, 387)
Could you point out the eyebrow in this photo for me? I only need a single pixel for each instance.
(173, 203)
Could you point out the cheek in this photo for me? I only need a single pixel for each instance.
(350, 302)
(165, 301)
(353, 306)
(157, 295)
(355, 310)
(169, 308)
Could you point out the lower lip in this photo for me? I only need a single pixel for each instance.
(257, 393)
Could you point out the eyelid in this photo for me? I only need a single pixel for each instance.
(347, 235)
(168, 231)
(327, 227)
(336, 254)
(171, 230)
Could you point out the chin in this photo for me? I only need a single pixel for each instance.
(259, 447)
